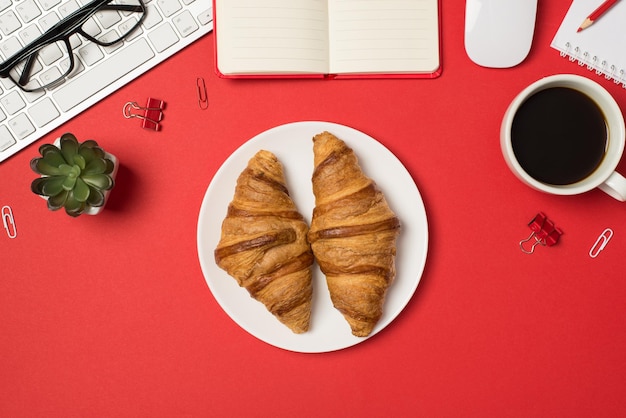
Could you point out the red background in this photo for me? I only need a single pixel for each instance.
(110, 316)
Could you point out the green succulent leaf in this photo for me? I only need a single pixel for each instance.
(69, 147)
(70, 181)
(98, 181)
(81, 190)
(96, 166)
(73, 206)
(79, 160)
(96, 197)
(52, 154)
(99, 152)
(75, 213)
(90, 143)
(66, 169)
(48, 186)
(110, 166)
(87, 153)
(41, 166)
(57, 201)
(36, 186)
(90, 150)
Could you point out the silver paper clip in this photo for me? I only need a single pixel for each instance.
(601, 242)
(9, 222)
(203, 98)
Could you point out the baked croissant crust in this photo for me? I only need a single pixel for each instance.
(353, 234)
(263, 243)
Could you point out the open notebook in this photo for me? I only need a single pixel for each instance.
(331, 38)
(602, 46)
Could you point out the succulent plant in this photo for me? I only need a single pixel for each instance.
(74, 175)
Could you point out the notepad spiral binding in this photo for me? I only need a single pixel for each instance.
(593, 63)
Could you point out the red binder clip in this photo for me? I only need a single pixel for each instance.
(543, 231)
(151, 115)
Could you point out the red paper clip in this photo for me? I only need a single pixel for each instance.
(543, 231)
(151, 116)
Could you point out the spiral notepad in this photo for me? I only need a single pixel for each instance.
(602, 46)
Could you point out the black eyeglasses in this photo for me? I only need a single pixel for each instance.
(49, 59)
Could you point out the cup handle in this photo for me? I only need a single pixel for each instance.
(615, 186)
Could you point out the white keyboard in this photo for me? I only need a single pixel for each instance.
(169, 26)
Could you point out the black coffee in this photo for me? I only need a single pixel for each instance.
(559, 135)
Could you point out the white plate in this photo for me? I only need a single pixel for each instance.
(293, 145)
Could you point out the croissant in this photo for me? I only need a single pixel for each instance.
(353, 234)
(264, 245)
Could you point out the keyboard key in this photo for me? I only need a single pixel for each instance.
(50, 75)
(90, 53)
(185, 23)
(10, 46)
(2, 115)
(163, 37)
(91, 27)
(4, 4)
(206, 17)
(17, 71)
(127, 25)
(108, 18)
(49, 20)
(21, 126)
(12, 102)
(43, 112)
(131, 2)
(48, 4)
(169, 7)
(87, 84)
(111, 36)
(29, 34)
(32, 96)
(51, 53)
(6, 139)
(6, 83)
(68, 7)
(9, 22)
(153, 17)
(28, 10)
(78, 67)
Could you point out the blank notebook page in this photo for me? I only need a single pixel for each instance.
(272, 36)
(378, 36)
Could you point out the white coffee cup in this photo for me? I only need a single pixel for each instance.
(604, 176)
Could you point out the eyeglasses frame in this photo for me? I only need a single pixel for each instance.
(62, 31)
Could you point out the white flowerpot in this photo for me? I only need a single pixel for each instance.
(96, 210)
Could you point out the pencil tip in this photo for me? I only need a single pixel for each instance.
(588, 22)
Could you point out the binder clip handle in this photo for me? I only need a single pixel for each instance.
(151, 114)
(538, 241)
(543, 231)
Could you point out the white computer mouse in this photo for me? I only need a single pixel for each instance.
(499, 33)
